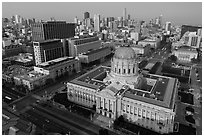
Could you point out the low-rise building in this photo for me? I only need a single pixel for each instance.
(31, 80)
(185, 53)
(151, 42)
(83, 44)
(57, 67)
(98, 54)
(141, 49)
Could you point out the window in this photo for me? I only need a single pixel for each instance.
(119, 71)
(148, 115)
(127, 108)
(131, 109)
(128, 71)
(139, 112)
(135, 111)
(124, 71)
(152, 116)
(123, 107)
(143, 113)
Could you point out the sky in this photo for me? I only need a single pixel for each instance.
(176, 12)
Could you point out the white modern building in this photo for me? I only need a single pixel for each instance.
(185, 53)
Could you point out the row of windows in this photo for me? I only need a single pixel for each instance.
(84, 96)
(142, 113)
(66, 69)
(82, 41)
(106, 104)
(124, 71)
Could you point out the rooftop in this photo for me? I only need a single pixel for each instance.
(187, 49)
(49, 41)
(51, 63)
(95, 51)
(159, 93)
(32, 76)
(15, 70)
(82, 37)
(93, 79)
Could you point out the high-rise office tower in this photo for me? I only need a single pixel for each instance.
(76, 20)
(47, 50)
(124, 14)
(168, 26)
(97, 22)
(86, 15)
(160, 20)
(124, 17)
(185, 28)
(17, 19)
(52, 30)
(128, 16)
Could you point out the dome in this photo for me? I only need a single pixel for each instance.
(125, 53)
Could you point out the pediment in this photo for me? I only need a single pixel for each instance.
(107, 93)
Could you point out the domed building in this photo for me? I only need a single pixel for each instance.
(124, 68)
(120, 90)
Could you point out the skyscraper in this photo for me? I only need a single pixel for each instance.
(168, 26)
(76, 20)
(86, 15)
(52, 30)
(96, 22)
(124, 14)
(160, 20)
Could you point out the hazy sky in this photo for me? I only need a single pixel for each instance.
(177, 13)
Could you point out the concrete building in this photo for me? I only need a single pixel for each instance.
(140, 49)
(86, 15)
(24, 59)
(11, 50)
(145, 100)
(168, 26)
(151, 42)
(135, 36)
(48, 50)
(57, 67)
(97, 54)
(185, 53)
(83, 44)
(52, 30)
(97, 22)
(185, 28)
(192, 39)
(32, 79)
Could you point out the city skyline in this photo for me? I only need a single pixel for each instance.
(176, 12)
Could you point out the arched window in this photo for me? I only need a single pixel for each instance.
(124, 71)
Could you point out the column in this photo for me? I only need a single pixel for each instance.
(108, 104)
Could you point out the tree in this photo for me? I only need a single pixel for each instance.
(194, 60)
(173, 58)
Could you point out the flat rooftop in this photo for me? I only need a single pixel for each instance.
(51, 63)
(48, 41)
(92, 79)
(160, 94)
(15, 70)
(32, 76)
(95, 51)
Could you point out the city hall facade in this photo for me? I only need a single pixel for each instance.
(143, 99)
